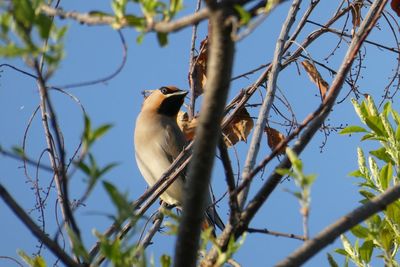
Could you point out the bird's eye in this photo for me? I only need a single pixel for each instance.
(164, 90)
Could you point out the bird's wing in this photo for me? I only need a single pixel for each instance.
(174, 142)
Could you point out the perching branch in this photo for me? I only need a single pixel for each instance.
(330, 233)
(36, 231)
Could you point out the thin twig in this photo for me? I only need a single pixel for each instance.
(275, 233)
(25, 159)
(157, 221)
(192, 64)
(57, 160)
(230, 181)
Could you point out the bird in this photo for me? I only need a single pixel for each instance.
(158, 140)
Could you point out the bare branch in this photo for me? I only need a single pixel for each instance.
(267, 103)
(316, 119)
(321, 113)
(208, 132)
(275, 233)
(57, 160)
(92, 20)
(230, 181)
(35, 230)
(330, 233)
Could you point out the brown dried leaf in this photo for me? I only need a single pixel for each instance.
(187, 127)
(200, 69)
(356, 14)
(316, 77)
(239, 128)
(274, 138)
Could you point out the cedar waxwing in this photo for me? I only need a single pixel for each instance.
(159, 140)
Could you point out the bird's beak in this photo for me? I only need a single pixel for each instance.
(181, 93)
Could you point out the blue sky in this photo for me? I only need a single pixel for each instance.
(94, 52)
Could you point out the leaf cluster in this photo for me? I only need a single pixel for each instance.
(381, 232)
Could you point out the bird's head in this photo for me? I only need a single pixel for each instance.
(166, 100)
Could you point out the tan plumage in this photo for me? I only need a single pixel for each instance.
(158, 141)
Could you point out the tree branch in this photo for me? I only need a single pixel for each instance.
(208, 132)
(322, 112)
(316, 119)
(99, 20)
(267, 103)
(57, 160)
(35, 230)
(330, 233)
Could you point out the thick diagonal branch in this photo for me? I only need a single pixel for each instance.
(207, 136)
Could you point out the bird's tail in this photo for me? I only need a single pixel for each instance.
(213, 219)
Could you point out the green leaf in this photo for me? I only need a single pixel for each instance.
(398, 134)
(392, 211)
(341, 252)
(135, 21)
(107, 168)
(375, 123)
(385, 176)
(165, 260)
(44, 25)
(381, 154)
(77, 246)
(332, 261)
(386, 239)
(37, 261)
(12, 50)
(284, 172)
(174, 7)
(99, 13)
(24, 13)
(353, 129)
(360, 231)
(387, 108)
(140, 38)
(396, 117)
(366, 250)
(99, 132)
(244, 15)
(355, 173)
(84, 168)
(120, 201)
(368, 195)
(162, 38)
(296, 162)
(18, 151)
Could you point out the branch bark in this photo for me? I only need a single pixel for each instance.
(207, 135)
(330, 233)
